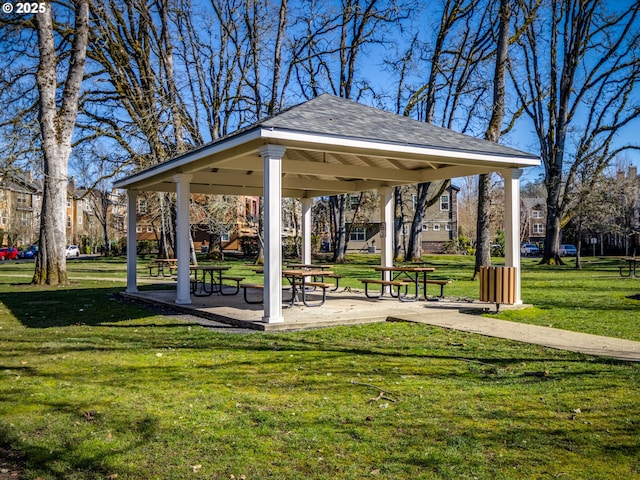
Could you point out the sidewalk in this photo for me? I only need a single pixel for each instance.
(616, 348)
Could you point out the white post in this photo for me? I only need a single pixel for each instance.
(306, 230)
(386, 228)
(183, 245)
(272, 192)
(512, 225)
(132, 246)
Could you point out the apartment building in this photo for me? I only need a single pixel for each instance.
(533, 220)
(20, 205)
(439, 224)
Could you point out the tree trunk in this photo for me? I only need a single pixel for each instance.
(398, 245)
(105, 238)
(338, 205)
(414, 249)
(483, 224)
(551, 253)
(483, 232)
(260, 257)
(56, 128)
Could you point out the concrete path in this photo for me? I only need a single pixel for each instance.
(617, 348)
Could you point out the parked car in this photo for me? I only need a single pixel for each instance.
(497, 250)
(8, 253)
(529, 249)
(568, 250)
(29, 252)
(73, 251)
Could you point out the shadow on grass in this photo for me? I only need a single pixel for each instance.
(38, 308)
(53, 461)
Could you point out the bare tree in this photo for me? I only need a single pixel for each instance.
(494, 129)
(461, 44)
(219, 213)
(57, 122)
(579, 73)
(359, 23)
(423, 201)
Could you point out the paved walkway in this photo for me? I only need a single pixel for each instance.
(546, 336)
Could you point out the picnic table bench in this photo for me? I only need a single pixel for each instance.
(159, 264)
(631, 266)
(383, 283)
(442, 284)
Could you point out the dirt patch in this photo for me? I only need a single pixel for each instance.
(11, 465)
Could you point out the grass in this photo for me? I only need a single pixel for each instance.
(92, 387)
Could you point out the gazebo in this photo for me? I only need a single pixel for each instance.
(325, 146)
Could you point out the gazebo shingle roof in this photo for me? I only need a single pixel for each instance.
(331, 115)
(332, 146)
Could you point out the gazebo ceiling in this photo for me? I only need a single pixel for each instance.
(332, 146)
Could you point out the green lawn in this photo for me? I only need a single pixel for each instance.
(92, 387)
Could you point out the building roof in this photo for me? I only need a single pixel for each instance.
(333, 146)
(331, 115)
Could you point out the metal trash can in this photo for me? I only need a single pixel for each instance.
(498, 285)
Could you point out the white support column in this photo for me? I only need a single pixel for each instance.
(512, 225)
(183, 245)
(306, 230)
(132, 244)
(386, 228)
(272, 191)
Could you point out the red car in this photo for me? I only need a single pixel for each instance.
(9, 253)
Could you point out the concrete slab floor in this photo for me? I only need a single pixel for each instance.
(352, 307)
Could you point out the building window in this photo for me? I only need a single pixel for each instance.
(149, 229)
(444, 202)
(68, 221)
(68, 201)
(138, 229)
(3, 217)
(414, 200)
(425, 227)
(354, 201)
(447, 227)
(536, 214)
(24, 218)
(436, 227)
(357, 234)
(538, 228)
(21, 199)
(224, 236)
(142, 205)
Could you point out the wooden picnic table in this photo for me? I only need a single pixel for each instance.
(202, 288)
(308, 266)
(631, 267)
(297, 278)
(412, 274)
(161, 263)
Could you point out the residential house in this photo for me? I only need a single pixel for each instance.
(20, 205)
(231, 219)
(533, 220)
(439, 224)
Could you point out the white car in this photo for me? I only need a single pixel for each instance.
(73, 251)
(529, 249)
(570, 250)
